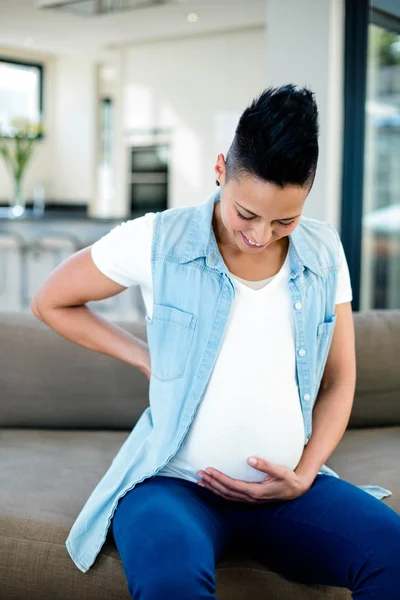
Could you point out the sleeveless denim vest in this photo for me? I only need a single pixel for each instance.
(193, 295)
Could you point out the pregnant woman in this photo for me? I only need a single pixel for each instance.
(251, 363)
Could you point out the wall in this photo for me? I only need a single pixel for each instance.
(198, 87)
(74, 124)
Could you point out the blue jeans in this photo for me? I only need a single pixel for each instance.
(170, 533)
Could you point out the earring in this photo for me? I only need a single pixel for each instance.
(217, 182)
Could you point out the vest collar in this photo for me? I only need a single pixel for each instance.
(201, 241)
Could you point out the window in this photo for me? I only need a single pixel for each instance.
(380, 255)
(370, 223)
(21, 92)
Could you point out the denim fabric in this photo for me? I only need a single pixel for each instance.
(334, 535)
(192, 297)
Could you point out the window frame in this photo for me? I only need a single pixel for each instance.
(40, 67)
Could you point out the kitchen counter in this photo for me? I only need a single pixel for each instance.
(78, 228)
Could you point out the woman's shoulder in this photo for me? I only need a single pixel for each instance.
(173, 222)
(318, 241)
(177, 212)
(316, 224)
(321, 231)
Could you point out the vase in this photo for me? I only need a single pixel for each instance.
(17, 204)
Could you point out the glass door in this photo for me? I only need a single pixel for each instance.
(380, 241)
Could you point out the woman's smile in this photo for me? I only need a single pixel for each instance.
(251, 243)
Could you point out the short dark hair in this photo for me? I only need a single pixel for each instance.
(276, 139)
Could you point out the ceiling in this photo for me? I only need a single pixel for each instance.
(24, 25)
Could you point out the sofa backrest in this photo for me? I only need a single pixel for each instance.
(49, 382)
(377, 397)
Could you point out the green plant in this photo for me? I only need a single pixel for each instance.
(17, 145)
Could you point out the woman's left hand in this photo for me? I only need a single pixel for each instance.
(281, 483)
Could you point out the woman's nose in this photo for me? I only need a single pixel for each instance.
(262, 235)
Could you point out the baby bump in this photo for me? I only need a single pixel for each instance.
(226, 447)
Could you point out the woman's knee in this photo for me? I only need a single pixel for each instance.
(173, 569)
(178, 584)
(380, 569)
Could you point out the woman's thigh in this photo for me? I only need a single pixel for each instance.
(169, 534)
(334, 534)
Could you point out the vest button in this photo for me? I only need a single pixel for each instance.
(302, 352)
(298, 305)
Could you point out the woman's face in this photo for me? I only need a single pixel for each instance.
(277, 211)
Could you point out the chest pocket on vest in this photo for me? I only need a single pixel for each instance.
(170, 334)
(324, 339)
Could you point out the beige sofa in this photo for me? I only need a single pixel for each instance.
(65, 412)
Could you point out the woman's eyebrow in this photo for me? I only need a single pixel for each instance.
(254, 215)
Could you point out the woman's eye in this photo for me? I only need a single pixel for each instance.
(244, 218)
(285, 224)
(251, 218)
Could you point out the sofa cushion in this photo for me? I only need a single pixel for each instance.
(46, 477)
(370, 456)
(376, 401)
(48, 381)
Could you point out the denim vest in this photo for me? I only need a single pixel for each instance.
(192, 296)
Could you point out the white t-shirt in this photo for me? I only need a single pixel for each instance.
(251, 404)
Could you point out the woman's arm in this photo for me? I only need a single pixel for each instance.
(61, 303)
(332, 409)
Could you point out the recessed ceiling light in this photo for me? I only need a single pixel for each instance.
(192, 17)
